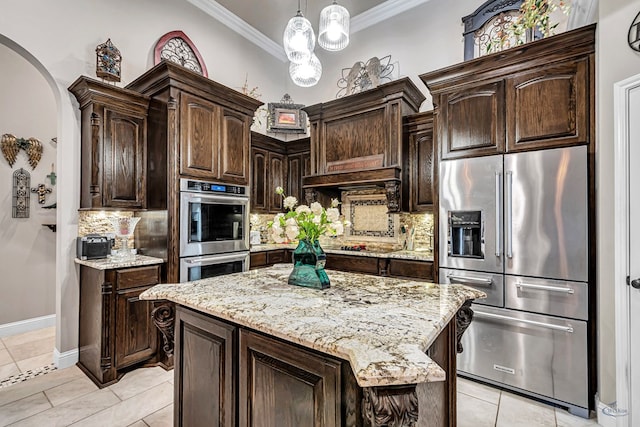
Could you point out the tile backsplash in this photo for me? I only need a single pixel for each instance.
(371, 225)
(97, 222)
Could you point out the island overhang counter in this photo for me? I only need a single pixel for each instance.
(369, 350)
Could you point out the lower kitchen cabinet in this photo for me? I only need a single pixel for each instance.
(116, 332)
(204, 371)
(410, 269)
(354, 263)
(267, 258)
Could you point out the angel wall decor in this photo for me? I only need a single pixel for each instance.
(11, 146)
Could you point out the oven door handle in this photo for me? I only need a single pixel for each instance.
(561, 328)
(217, 258)
(479, 281)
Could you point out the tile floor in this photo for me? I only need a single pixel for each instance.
(144, 397)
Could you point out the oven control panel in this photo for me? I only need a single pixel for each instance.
(211, 187)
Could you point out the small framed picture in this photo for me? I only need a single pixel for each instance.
(287, 118)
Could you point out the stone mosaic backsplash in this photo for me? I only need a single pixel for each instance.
(97, 222)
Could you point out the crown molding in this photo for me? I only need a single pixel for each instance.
(383, 11)
(364, 20)
(222, 14)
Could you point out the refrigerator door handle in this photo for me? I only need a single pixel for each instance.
(498, 215)
(567, 328)
(509, 216)
(470, 280)
(544, 288)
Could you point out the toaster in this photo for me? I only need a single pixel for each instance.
(93, 246)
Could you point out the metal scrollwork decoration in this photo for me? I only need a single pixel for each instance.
(108, 62)
(11, 146)
(363, 76)
(21, 183)
(634, 34)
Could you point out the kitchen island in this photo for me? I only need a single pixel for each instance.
(251, 350)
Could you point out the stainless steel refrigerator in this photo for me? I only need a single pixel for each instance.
(516, 226)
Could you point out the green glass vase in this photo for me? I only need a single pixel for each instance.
(308, 266)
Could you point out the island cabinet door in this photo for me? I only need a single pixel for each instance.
(285, 386)
(204, 371)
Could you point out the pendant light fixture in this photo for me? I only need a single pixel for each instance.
(299, 39)
(333, 33)
(306, 74)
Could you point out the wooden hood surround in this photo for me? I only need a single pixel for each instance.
(356, 141)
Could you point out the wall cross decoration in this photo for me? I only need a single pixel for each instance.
(52, 176)
(41, 191)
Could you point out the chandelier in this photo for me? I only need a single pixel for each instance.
(299, 42)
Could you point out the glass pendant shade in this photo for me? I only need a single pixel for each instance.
(306, 74)
(299, 39)
(334, 27)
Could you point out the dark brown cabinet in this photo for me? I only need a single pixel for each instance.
(419, 173)
(281, 385)
(536, 96)
(259, 180)
(267, 258)
(410, 269)
(355, 264)
(113, 145)
(116, 327)
(275, 178)
(205, 371)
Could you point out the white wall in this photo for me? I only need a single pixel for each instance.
(616, 61)
(27, 249)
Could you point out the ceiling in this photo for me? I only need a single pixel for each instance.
(263, 22)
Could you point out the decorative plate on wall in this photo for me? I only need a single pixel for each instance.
(177, 47)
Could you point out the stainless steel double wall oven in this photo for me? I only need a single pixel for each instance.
(516, 227)
(214, 229)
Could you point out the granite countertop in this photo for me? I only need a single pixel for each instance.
(109, 262)
(381, 325)
(372, 253)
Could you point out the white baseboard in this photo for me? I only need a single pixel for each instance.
(66, 359)
(27, 325)
(604, 419)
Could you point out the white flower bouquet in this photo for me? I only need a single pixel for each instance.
(304, 222)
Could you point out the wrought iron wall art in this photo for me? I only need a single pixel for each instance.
(363, 76)
(41, 190)
(21, 183)
(286, 117)
(108, 61)
(11, 146)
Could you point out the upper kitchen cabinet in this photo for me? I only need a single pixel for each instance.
(268, 171)
(357, 139)
(419, 177)
(298, 166)
(113, 144)
(534, 96)
(198, 126)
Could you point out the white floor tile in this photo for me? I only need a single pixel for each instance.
(32, 348)
(37, 335)
(131, 410)
(70, 390)
(517, 411)
(478, 390)
(137, 381)
(35, 362)
(5, 357)
(473, 412)
(39, 384)
(161, 418)
(23, 408)
(138, 423)
(8, 370)
(72, 411)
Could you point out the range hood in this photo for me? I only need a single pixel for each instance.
(357, 140)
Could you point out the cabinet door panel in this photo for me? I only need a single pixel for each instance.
(275, 374)
(550, 107)
(199, 133)
(294, 177)
(473, 121)
(124, 152)
(259, 180)
(136, 335)
(233, 148)
(276, 179)
(204, 371)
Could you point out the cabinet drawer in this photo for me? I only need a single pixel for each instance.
(555, 297)
(257, 259)
(275, 257)
(137, 277)
(408, 268)
(354, 264)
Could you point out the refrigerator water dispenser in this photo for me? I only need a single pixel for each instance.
(465, 234)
